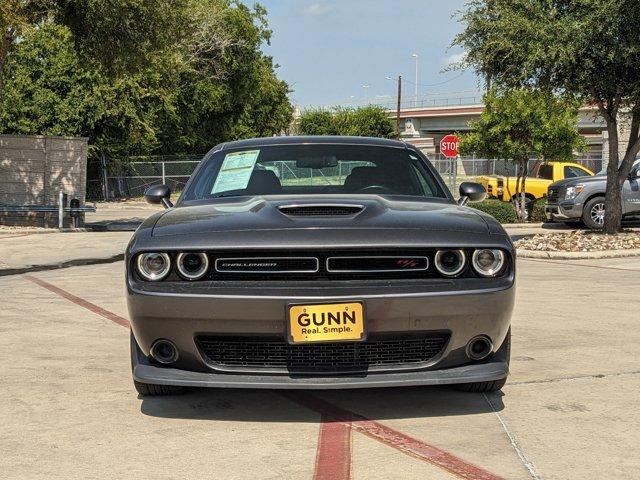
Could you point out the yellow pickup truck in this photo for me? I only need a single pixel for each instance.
(543, 175)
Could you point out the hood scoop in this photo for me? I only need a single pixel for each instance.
(321, 210)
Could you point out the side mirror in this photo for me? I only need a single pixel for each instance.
(471, 192)
(159, 194)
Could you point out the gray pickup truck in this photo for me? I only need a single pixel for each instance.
(581, 200)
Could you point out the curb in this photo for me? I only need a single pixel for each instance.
(522, 225)
(44, 231)
(632, 252)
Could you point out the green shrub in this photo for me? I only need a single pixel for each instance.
(369, 121)
(538, 212)
(505, 213)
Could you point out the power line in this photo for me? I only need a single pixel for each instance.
(435, 84)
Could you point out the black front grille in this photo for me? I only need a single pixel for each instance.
(553, 195)
(321, 210)
(276, 354)
(320, 265)
(358, 264)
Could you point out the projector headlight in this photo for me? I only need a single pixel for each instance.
(153, 266)
(488, 262)
(192, 266)
(450, 262)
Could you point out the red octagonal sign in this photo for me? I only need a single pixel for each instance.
(449, 146)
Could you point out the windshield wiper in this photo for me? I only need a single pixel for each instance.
(223, 195)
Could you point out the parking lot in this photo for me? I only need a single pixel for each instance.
(69, 410)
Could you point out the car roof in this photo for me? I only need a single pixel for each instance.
(317, 139)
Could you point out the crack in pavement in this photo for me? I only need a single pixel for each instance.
(576, 377)
(514, 443)
(81, 262)
(570, 263)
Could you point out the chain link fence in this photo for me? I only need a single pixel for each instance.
(131, 178)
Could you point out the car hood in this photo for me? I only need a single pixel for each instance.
(256, 214)
(567, 182)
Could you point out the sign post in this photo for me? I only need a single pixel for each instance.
(449, 148)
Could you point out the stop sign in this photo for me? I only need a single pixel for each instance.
(449, 146)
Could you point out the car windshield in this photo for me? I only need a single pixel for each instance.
(312, 170)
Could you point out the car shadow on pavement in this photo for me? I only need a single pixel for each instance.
(289, 406)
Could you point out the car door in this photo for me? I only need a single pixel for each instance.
(631, 193)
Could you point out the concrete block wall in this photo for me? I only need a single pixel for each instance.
(34, 169)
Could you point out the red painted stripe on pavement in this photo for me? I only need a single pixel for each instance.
(333, 458)
(79, 301)
(333, 455)
(393, 438)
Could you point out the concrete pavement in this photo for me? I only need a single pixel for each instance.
(119, 216)
(69, 410)
(21, 252)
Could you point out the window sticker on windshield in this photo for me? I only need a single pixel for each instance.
(236, 171)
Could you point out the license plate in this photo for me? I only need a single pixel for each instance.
(332, 322)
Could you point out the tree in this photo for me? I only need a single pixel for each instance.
(123, 36)
(370, 121)
(16, 18)
(317, 122)
(48, 92)
(225, 90)
(522, 123)
(588, 48)
(188, 96)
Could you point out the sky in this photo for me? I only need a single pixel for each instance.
(327, 50)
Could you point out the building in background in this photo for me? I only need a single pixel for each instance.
(425, 126)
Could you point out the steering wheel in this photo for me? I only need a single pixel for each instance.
(375, 189)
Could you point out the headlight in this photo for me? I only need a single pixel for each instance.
(487, 262)
(573, 192)
(192, 266)
(450, 262)
(153, 266)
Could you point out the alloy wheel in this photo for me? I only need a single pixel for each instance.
(597, 213)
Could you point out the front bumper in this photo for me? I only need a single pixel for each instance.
(144, 372)
(563, 211)
(463, 308)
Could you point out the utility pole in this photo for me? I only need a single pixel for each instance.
(415, 93)
(399, 103)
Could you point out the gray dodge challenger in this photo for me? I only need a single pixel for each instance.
(319, 262)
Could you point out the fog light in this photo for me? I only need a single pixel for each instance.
(192, 266)
(164, 351)
(479, 348)
(450, 262)
(487, 262)
(153, 266)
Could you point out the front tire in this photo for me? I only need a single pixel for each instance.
(482, 387)
(153, 390)
(593, 213)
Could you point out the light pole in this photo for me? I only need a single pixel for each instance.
(415, 91)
